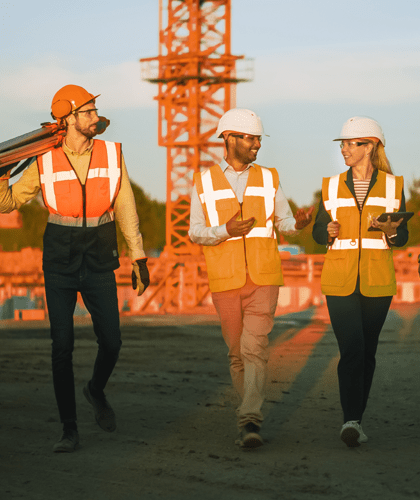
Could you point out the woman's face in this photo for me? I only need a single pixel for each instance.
(355, 152)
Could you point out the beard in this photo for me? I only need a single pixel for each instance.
(88, 132)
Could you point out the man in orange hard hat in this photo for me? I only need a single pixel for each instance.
(234, 209)
(86, 188)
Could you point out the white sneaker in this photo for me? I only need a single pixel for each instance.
(362, 438)
(351, 432)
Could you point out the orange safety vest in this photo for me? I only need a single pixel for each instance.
(227, 262)
(65, 197)
(357, 251)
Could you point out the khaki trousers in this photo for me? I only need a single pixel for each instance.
(247, 317)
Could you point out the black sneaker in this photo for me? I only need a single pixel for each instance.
(250, 437)
(68, 443)
(104, 414)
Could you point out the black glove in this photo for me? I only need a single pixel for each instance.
(140, 276)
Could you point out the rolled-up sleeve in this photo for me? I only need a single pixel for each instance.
(127, 218)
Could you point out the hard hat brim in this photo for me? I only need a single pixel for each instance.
(84, 104)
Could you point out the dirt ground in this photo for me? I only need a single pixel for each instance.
(176, 416)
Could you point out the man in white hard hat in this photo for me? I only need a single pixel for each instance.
(86, 188)
(234, 209)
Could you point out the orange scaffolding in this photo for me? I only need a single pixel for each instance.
(196, 76)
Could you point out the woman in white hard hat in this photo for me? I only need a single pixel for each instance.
(358, 276)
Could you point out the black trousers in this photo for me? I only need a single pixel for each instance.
(357, 322)
(99, 293)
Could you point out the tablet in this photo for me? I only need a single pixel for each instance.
(395, 217)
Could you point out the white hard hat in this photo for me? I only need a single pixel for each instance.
(361, 126)
(240, 120)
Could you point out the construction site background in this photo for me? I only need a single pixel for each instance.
(22, 295)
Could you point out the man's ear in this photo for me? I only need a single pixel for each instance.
(70, 119)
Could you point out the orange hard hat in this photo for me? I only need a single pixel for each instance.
(68, 99)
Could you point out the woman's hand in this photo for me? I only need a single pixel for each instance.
(388, 227)
(333, 229)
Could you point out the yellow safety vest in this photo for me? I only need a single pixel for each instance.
(357, 251)
(228, 261)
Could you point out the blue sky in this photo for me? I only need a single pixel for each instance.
(316, 64)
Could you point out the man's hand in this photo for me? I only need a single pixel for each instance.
(239, 227)
(303, 218)
(140, 276)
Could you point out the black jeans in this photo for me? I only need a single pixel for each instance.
(99, 293)
(357, 322)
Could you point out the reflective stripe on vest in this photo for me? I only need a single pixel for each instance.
(49, 177)
(266, 191)
(390, 203)
(354, 244)
(333, 202)
(80, 221)
(112, 172)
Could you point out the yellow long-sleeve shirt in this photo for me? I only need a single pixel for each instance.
(28, 186)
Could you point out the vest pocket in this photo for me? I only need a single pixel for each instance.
(335, 270)
(220, 265)
(107, 247)
(56, 244)
(267, 256)
(380, 268)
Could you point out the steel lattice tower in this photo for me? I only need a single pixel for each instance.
(196, 76)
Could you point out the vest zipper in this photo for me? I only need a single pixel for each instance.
(243, 238)
(84, 203)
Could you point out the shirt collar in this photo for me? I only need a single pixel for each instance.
(67, 150)
(224, 165)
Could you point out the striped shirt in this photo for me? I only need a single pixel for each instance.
(360, 190)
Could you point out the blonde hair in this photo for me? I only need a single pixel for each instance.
(378, 157)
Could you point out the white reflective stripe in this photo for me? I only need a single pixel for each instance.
(67, 175)
(234, 238)
(210, 196)
(57, 176)
(97, 172)
(268, 192)
(333, 202)
(367, 243)
(390, 203)
(261, 232)
(345, 244)
(113, 170)
(375, 244)
(81, 221)
(47, 180)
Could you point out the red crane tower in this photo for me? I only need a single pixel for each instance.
(196, 76)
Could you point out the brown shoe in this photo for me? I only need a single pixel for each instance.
(68, 443)
(104, 414)
(250, 437)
